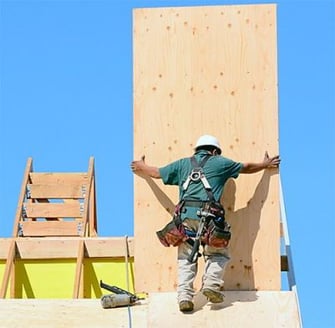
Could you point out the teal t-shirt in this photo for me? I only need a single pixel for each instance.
(217, 170)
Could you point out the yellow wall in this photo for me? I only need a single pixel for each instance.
(110, 271)
(54, 278)
(44, 279)
(2, 271)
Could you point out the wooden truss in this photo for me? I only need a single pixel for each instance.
(53, 205)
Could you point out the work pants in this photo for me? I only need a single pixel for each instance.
(215, 262)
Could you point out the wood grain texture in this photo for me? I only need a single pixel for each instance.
(207, 70)
(240, 310)
(40, 248)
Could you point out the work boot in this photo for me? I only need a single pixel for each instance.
(213, 296)
(186, 306)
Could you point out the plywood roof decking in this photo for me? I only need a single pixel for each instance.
(160, 310)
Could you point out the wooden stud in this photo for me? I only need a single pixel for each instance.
(8, 268)
(86, 212)
(79, 269)
(29, 167)
(93, 226)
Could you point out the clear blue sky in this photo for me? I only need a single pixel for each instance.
(66, 95)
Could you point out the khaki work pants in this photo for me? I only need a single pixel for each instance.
(215, 263)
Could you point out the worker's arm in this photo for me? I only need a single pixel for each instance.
(256, 167)
(144, 170)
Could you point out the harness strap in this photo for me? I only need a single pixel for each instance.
(195, 175)
(202, 163)
(203, 179)
(194, 203)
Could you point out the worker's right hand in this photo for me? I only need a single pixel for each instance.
(138, 167)
(141, 169)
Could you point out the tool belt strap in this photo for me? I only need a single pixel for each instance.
(194, 203)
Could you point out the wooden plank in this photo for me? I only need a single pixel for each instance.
(47, 248)
(28, 169)
(79, 269)
(59, 191)
(4, 247)
(66, 247)
(40, 200)
(58, 178)
(53, 210)
(108, 247)
(93, 225)
(86, 212)
(51, 228)
(199, 70)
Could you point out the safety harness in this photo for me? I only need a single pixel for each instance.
(197, 174)
(174, 233)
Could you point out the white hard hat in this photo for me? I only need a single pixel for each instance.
(208, 140)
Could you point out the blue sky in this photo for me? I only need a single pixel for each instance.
(66, 95)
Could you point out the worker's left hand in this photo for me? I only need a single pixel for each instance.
(271, 161)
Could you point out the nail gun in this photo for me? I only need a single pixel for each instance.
(120, 297)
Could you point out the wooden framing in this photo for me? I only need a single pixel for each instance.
(10, 259)
(67, 198)
(53, 205)
(65, 247)
(79, 269)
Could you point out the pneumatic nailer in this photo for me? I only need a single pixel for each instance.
(120, 297)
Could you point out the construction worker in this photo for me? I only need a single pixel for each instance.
(216, 170)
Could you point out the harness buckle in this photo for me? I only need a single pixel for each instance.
(196, 175)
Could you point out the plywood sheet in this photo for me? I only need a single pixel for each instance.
(82, 313)
(240, 309)
(160, 310)
(207, 70)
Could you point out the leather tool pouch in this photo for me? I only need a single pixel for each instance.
(218, 230)
(216, 236)
(172, 234)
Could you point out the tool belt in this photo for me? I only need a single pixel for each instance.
(217, 233)
(215, 236)
(173, 234)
